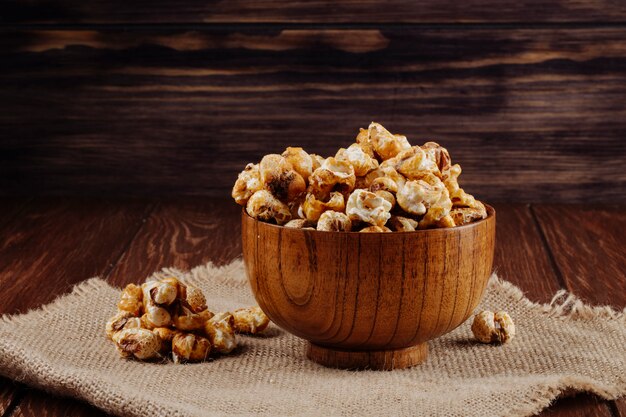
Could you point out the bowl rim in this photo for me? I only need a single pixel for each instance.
(491, 214)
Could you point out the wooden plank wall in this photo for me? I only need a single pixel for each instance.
(160, 98)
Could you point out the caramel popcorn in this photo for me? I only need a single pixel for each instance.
(333, 221)
(379, 183)
(251, 320)
(165, 317)
(490, 327)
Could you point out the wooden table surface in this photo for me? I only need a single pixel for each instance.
(48, 245)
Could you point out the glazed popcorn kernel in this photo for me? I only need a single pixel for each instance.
(251, 320)
(490, 327)
(376, 181)
(171, 319)
(333, 221)
(368, 207)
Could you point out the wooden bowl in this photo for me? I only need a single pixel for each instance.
(368, 300)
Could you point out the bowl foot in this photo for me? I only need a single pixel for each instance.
(379, 360)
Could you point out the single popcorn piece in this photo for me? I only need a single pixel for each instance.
(220, 331)
(141, 344)
(459, 197)
(122, 320)
(155, 316)
(402, 224)
(280, 179)
(490, 327)
(368, 207)
(159, 293)
(439, 154)
(384, 184)
(131, 300)
(193, 298)
(332, 175)
(188, 347)
(300, 160)
(333, 221)
(312, 208)
(264, 206)
(465, 215)
(418, 195)
(375, 229)
(248, 182)
(185, 319)
(358, 158)
(385, 144)
(251, 320)
(414, 163)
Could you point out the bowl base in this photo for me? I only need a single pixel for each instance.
(379, 360)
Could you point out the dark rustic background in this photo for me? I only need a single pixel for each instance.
(163, 98)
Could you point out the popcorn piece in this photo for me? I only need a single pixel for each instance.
(251, 320)
(155, 316)
(384, 184)
(312, 208)
(333, 221)
(332, 175)
(159, 293)
(368, 207)
(221, 332)
(375, 229)
(122, 320)
(186, 319)
(297, 224)
(131, 300)
(402, 224)
(385, 144)
(358, 158)
(279, 177)
(248, 182)
(414, 163)
(439, 154)
(465, 215)
(264, 206)
(193, 299)
(141, 344)
(459, 197)
(300, 160)
(188, 347)
(490, 327)
(418, 195)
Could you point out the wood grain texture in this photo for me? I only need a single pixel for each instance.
(587, 244)
(520, 256)
(59, 243)
(361, 11)
(181, 233)
(378, 292)
(531, 114)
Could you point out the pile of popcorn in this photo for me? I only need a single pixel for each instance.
(165, 316)
(379, 184)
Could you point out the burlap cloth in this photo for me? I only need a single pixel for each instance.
(563, 346)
